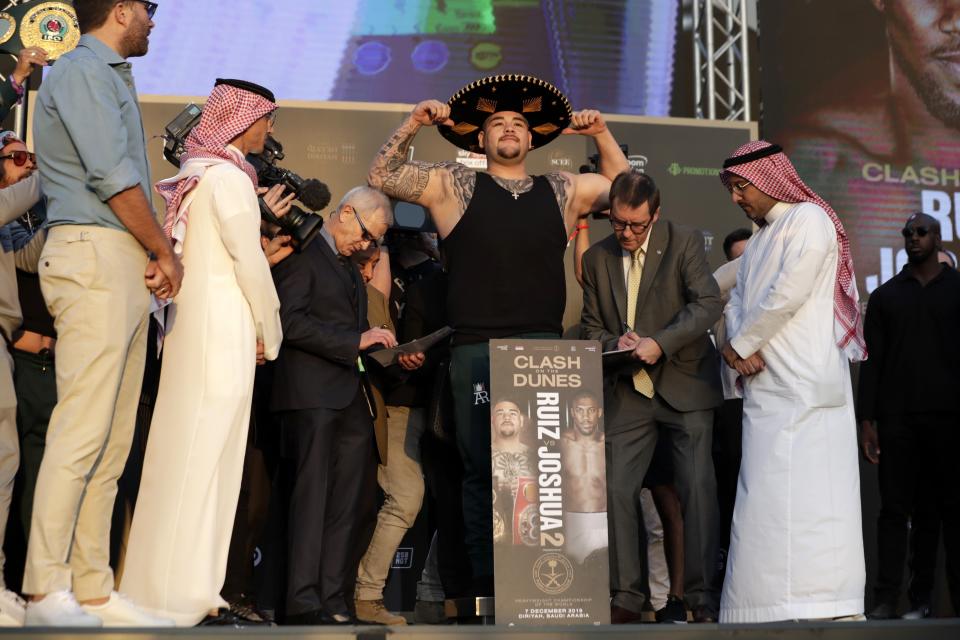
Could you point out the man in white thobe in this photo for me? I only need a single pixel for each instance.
(796, 549)
(224, 321)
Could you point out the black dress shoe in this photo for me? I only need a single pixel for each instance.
(883, 611)
(224, 618)
(249, 614)
(619, 615)
(340, 618)
(306, 618)
(704, 614)
(318, 617)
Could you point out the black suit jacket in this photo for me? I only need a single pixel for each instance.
(678, 302)
(323, 311)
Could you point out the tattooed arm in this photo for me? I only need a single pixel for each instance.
(590, 191)
(443, 188)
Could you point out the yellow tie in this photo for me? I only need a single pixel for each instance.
(641, 379)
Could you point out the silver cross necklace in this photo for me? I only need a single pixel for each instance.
(515, 187)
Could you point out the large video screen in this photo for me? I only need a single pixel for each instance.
(613, 55)
(867, 104)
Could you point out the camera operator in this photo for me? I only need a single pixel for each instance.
(277, 244)
(320, 397)
(224, 322)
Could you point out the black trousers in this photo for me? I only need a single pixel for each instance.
(443, 476)
(35, 381)
(249, 523)
(918, 468)
(727, 451)
(334, 463)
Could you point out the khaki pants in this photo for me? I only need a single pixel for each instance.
(9, 444)
(92, 281)
(658, 573)
(402, 482)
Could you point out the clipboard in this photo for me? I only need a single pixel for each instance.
(387, 357)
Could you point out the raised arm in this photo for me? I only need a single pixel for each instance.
(444, 188)
(589, 192)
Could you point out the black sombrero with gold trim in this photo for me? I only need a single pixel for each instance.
(546, 109)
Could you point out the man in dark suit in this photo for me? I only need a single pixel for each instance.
(648, 288)
(323, 407)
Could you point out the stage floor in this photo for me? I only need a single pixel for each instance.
(934, 629)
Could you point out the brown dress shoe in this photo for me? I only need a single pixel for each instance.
(619, 615)
(373, 612)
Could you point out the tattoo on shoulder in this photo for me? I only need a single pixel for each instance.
(560, 183)
(462, 182)
(408, 181)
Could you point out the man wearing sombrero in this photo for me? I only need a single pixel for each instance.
(504, 233)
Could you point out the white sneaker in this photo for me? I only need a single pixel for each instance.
(58, 609)
(119, 611)
(11, 609)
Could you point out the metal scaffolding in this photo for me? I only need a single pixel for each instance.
(721, 59)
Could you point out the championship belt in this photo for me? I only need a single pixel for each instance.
(52, 26)
(526, 521)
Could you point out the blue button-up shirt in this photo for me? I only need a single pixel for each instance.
(89, 136)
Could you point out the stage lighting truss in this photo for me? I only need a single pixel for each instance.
(721, 59)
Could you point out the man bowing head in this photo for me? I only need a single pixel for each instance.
(796, 548)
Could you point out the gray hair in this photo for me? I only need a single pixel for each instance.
(365, 200)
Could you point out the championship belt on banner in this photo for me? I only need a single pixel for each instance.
(548, 469)
(52, 26)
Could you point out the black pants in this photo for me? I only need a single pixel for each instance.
(443, 476)
(333, 459)
(917, 452)
(727, 451)
(35, 381)
(249, 523)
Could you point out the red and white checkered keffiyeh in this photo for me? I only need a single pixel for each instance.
(228, 112)
(775, 176)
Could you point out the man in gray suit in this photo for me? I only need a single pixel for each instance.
(648, 288)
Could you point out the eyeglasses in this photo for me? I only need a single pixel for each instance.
(739, 187)
(635, 227)
(151, 7)
(366, 235)
(20, 157)
(909, 232)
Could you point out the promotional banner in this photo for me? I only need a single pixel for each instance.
(549, 482)
(870, 116)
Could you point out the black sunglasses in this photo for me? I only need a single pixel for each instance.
(366, 235)
(150, 6)
(20, 157)
(909, 232)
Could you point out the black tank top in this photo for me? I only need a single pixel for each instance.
(505, 264)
